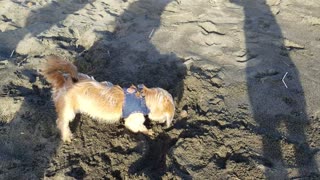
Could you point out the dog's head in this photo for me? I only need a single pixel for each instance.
(143, 90)
(160, 102)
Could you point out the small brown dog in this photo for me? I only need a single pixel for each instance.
(75, 92)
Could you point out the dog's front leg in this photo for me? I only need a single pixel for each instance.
(65, 115)
(135, 123)
(65, 131)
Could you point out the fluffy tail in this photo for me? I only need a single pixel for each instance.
(55, 68)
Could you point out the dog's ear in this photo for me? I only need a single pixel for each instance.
(141, 89)
(133, 86)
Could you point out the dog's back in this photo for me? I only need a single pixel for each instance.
(99, 101)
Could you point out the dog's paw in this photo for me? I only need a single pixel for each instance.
(67, 138)
(148, 132)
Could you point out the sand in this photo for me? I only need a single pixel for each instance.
(244, 76)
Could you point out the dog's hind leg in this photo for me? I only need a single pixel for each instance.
(65, 115)
(169, 119)
(135, 123)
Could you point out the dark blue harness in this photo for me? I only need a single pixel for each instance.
(134, 104)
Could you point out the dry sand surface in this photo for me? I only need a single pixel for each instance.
(245, 76)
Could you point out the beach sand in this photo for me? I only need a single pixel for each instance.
(245, 77)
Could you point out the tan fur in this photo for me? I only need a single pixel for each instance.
(98, 100)
(160, 103)
(54, 68)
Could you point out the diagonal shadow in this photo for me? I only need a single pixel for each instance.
(127, 56)
(37, 22)
(276, 109)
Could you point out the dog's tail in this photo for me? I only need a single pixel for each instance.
(54, 71)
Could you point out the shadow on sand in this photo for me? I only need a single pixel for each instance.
(127, 56)
(29, 141)
(280, 112)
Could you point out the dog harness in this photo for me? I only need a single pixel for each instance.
(133, 104)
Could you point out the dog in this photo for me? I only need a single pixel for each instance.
(74, 92)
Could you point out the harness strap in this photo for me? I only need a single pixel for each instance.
(133, 103)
